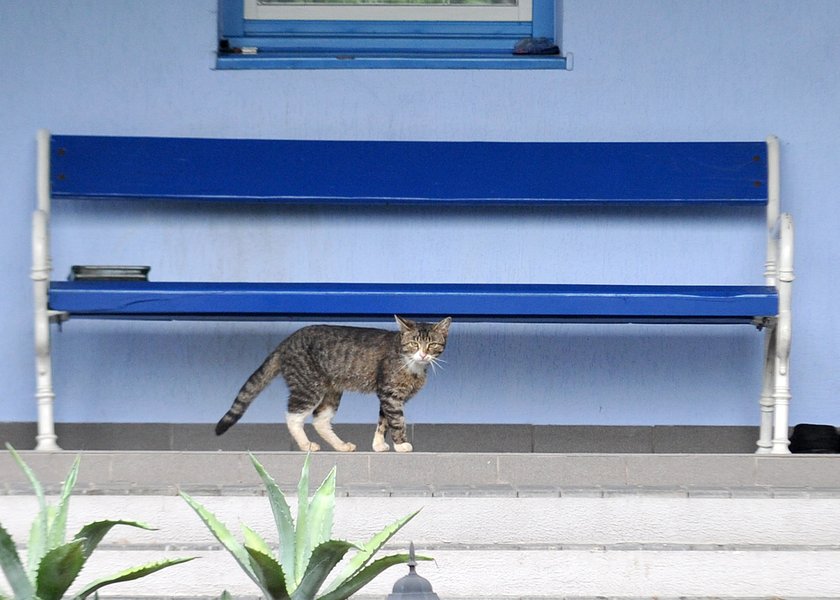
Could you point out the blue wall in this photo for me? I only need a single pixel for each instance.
(644, 70)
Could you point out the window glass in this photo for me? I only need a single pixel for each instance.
(405, 10)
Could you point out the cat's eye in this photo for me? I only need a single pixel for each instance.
(435, 347)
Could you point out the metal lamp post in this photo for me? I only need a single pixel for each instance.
(412, 586)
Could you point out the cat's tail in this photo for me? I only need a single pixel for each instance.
(256, 383)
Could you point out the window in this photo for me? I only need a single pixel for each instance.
(272, 34)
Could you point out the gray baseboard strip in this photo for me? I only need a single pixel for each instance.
(426, 437)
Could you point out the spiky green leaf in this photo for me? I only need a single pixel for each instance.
(369, 548)
(225, 596)
(254, 543)
(59, 569)
(352, 585)
(37, 543)
(33, 480)
(131, 574)
(58, 522)
(39, 531)
(303, 549)
(323, 560)
(221, 533)
(283, 520)
(13, 568)
(321, 511)
(255, 540)
(270, 573)
(93, 533)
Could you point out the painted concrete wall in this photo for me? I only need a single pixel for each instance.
(576, 547)
(650, 70)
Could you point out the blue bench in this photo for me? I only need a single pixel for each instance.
(135, 169)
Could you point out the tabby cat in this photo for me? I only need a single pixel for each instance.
(320, 362)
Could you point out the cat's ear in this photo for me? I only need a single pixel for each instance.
(405, 324)
(443, 325)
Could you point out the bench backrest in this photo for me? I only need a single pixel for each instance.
(382, 172)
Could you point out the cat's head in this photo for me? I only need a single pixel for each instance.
(422, 343)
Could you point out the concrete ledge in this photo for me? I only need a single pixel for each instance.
(442, 474)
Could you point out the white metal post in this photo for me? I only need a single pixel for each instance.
(784, 333)
(778, 273)
(773, 210)
(766, 403)
(46, 439)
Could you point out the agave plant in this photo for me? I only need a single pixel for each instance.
(53, 563)
(306, 555)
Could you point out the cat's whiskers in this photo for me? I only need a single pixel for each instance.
(417, 365)
(413, 365)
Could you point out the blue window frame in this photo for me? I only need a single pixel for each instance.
(273, 34)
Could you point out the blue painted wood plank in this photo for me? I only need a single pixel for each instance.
(362, 301)
(296, 171)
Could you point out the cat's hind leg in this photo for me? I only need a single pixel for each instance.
(322, 421)
(294, 421)
(301, 404)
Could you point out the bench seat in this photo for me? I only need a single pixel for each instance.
(364, 301)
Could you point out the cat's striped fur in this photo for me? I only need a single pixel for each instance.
(320, 362)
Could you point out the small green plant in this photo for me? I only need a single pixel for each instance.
(53, 563)
(306, 554)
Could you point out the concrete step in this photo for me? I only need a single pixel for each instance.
(438, 473)
(627, 546)
(573, 526)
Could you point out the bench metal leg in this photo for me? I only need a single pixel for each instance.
(775, 393)
(41, 269)
(778, 272)
(767, 403)
(44, 395)
(783, 334)
(781, 404)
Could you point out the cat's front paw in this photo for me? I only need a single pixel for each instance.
(311, 447)
(347, 447)
(404, 447)
(380, 446)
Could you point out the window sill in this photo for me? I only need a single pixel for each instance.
(282, 60)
